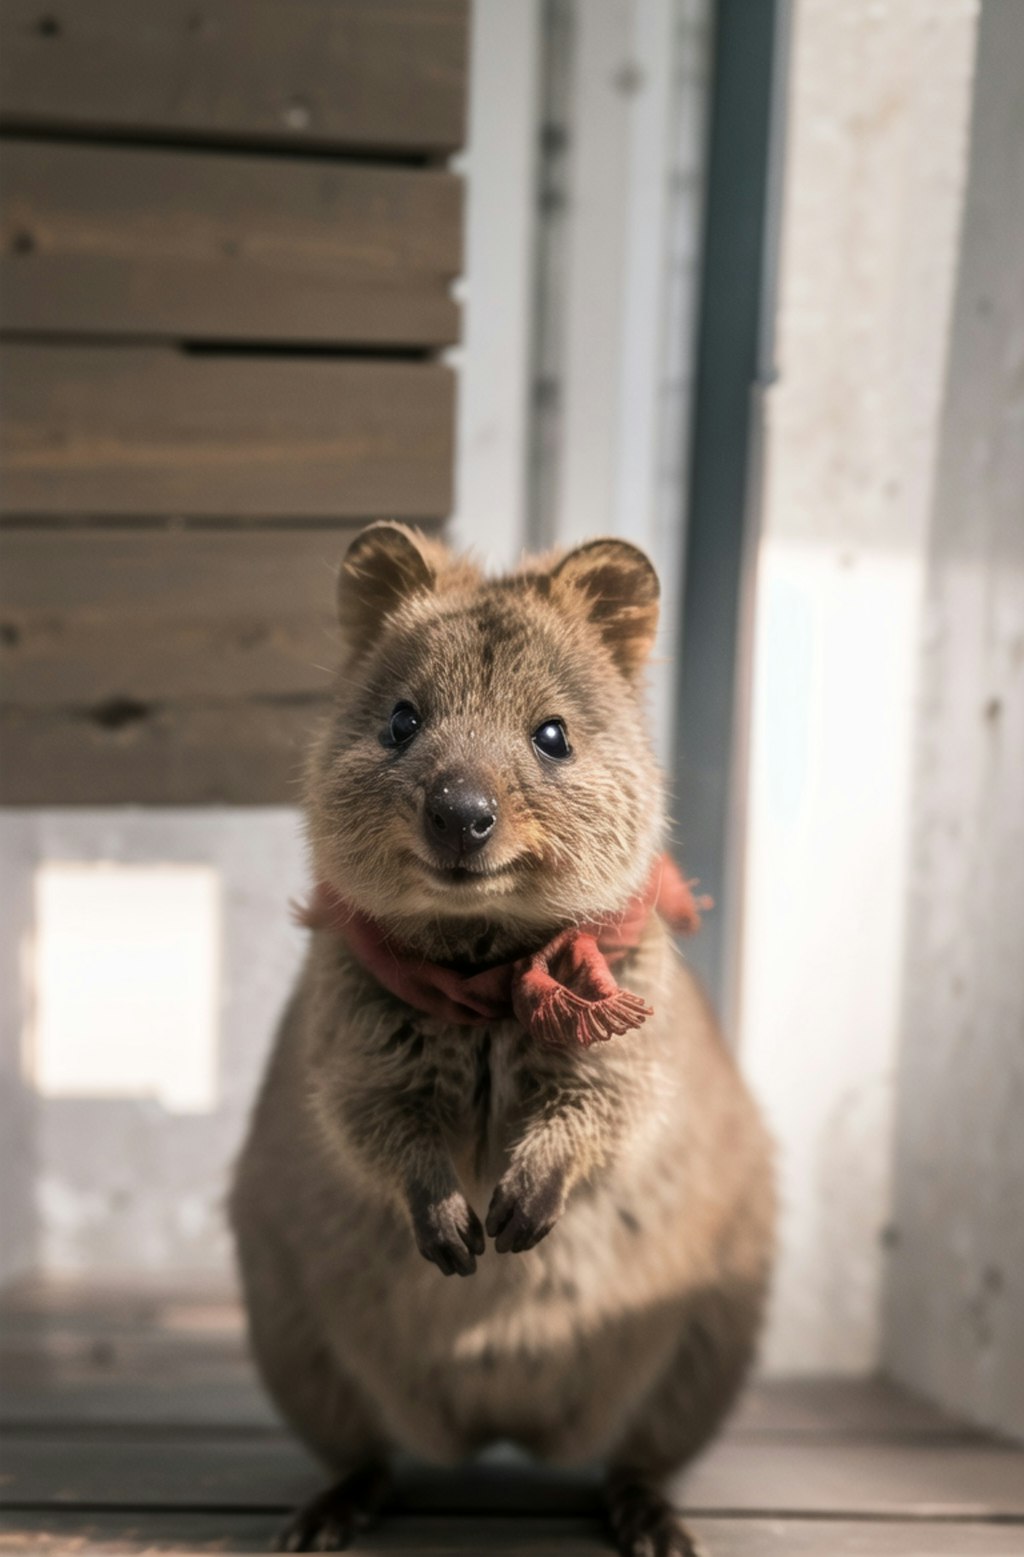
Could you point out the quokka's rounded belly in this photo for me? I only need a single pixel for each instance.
(560, 1395)
(550, 1349)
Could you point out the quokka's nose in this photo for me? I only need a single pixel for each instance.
(459, 815)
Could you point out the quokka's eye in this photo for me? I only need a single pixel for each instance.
(551, 740)
(402, 725)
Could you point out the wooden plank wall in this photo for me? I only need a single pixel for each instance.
(227, 242)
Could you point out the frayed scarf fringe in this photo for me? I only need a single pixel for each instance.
(562, 1016)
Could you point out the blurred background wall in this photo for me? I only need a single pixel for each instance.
(738, 280)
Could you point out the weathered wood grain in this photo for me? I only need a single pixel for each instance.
(90, 615)
(195, 300)
(232, 752)
(131, 241)
(150, 431)
(386, 74)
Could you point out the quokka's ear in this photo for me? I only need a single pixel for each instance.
(384, 565)
(614, 585)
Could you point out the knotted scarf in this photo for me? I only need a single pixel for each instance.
(561, 993)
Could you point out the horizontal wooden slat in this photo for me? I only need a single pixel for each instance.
(197, 301)
(128, 430)
(86, 616)
(341, 218)
(129, 241)
(192, 1470)
(844, 1480)
(387, 74)
(61, 1534)
(243, 752)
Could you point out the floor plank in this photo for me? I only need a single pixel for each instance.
(201, 1534)
(923, 1480)
(862, 1538)
(201, 1470)
(872, 1409)
(60, 1535)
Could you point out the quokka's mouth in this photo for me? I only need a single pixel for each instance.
(467, 875)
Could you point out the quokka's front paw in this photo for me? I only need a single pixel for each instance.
(524, 1208)
(448, 1232)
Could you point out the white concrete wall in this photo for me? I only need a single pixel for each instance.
(955, 1312)
(879, 106)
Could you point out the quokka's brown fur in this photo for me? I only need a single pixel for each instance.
(382, 1136)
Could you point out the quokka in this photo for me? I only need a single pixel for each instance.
(495, 1065)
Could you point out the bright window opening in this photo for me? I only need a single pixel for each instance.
(126, 983)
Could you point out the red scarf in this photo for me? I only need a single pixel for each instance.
(561, 992)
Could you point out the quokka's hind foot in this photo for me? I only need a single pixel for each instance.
(643, 1523)
(328, 1522)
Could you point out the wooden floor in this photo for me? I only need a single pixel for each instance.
(131, 1423)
